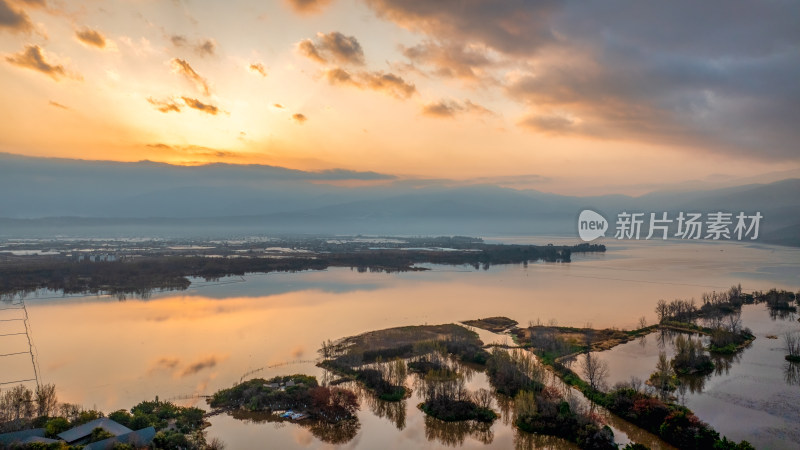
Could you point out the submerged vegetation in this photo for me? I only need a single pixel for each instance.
(447, 399)
(675, 424)
(547, 412)
(511, 372)
(551, 341)
(441, 358)
(364, 357)
(690, 357)
(792, 342)
(720, 318)
(720, 315)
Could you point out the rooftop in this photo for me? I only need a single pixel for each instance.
(82, 431)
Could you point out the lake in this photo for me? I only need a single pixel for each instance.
(109, 354)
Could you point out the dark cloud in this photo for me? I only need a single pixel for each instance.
(551, 124)
(164, 363)
(58, 105)
(333, 47)
(182, 67)
(742, 107)
(165, 106)
(442, 108)
(198, 366)
(308, 6)
(258, 68)
(338, 75)
(388, 83)
(91, 37)
(203, 47)
(451, 60)
(14, 19)
(449, 108)
(33, 58)
(712, 76)
(299, 118)
(307, 48)
(178, 40)
(511, 26)
(207, 47)
(342, 49)
(200, 106)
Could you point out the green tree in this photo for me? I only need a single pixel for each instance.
(99, 434)
(55, 426)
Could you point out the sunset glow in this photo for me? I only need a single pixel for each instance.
(519, 95)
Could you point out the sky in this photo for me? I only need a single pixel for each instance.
(571, 97)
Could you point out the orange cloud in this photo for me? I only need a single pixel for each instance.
(307, 48)
(258, 68)
(33, 58)
(164, 105)
(449, 108)
(307, 6)
(182, 67)
(200, 106)
(333, 46)
(388, 83)
(58, 105)
(91, 37)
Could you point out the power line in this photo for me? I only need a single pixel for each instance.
(25, 321)
(30, 345)
(20, 381)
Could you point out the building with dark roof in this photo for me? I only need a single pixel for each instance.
(137, 439)
(81, 433)
(20, 436)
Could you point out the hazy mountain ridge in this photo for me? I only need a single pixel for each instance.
(50, 195)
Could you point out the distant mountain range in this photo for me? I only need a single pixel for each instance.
(46, 197)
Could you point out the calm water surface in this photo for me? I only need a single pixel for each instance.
(110, 354)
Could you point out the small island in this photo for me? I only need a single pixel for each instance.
(135, 268)
(296, 396)
(493, 324)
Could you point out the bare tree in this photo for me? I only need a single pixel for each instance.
(792, 342)
(483, 398)
(734, 322)
(636, 383)
(16, 404)
(46, 401)
(595, 371)
(661, 310)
